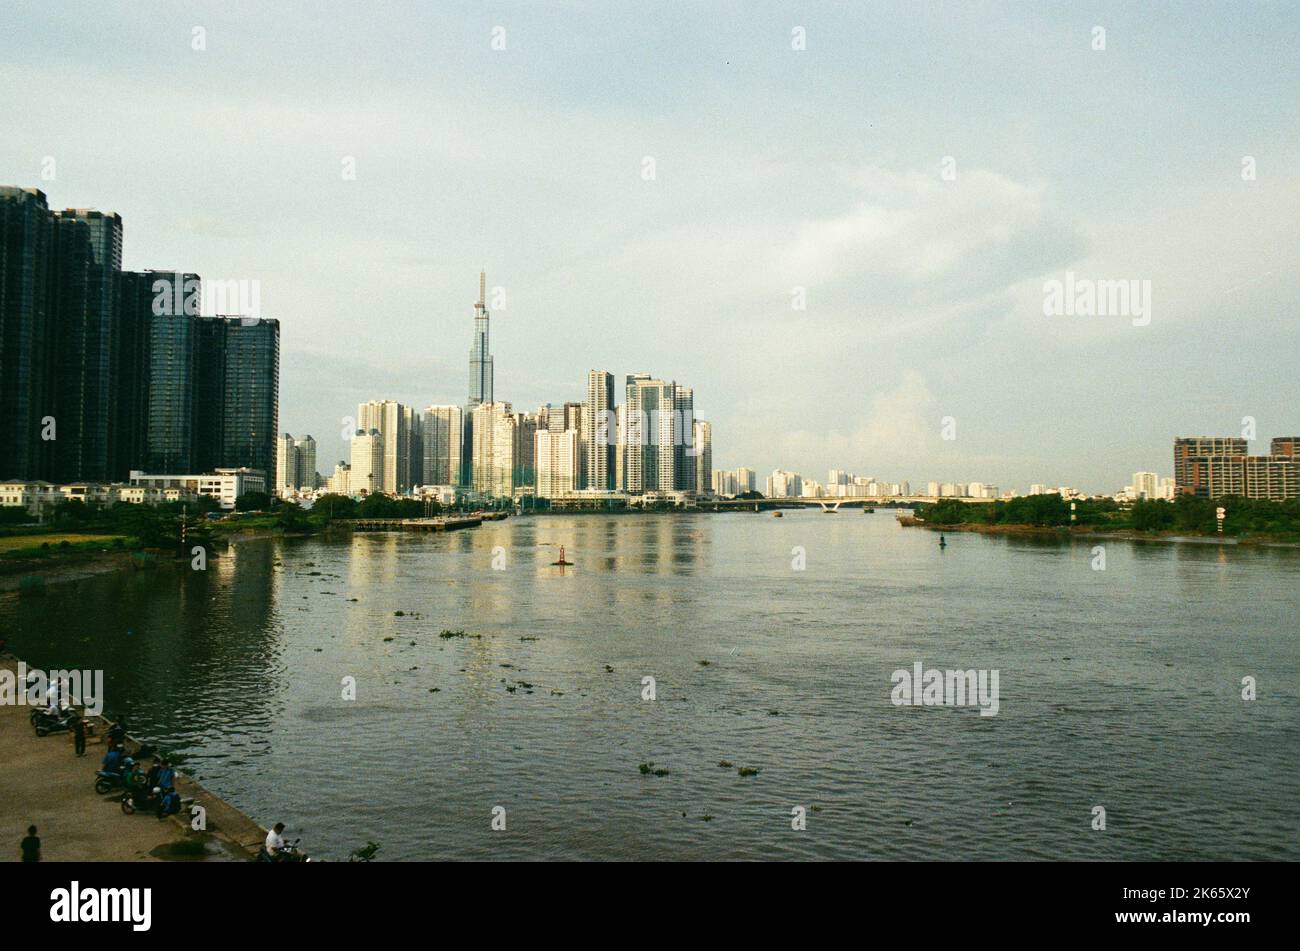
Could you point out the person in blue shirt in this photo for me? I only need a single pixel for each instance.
(169, 804)
(166, 777)
(112, 760)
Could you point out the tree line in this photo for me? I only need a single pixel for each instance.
(1186, 513)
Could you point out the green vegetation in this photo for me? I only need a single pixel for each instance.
(372, 506)
(253, 502)
(29, 545)
(74, 526)
(1186, 515)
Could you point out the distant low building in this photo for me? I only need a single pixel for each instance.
(782, 484)
(224, 485)
(33, 496)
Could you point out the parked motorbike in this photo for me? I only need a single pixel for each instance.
(289, 853)
(154, 801)
(46, 722)
(105, 780)
(141, 800)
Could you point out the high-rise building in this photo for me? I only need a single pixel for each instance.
(119, 365)
(746, 480)
(441, 436)
(393, 421)
(493, 456)
(414, 445)
(169, 392)
(1192, 471)
(295, 464)
(136, 304)
(86, 259)
(599, 431)
(250, 414)
(1275, 477)
(306, 462)
(685, 450)
(25, 313)
(703, 446)
(480, 354)
(1210, 467)
(656, 433)
(338, 483)
(782, 484)
(525, 451)
(557, 462)
(367, 471)
(1288, 446)
(1145, 485)
(284, 464)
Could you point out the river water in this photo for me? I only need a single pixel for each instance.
(1118, 688)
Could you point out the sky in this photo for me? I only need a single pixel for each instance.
(658, 187)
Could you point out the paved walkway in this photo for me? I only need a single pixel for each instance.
(43, 783)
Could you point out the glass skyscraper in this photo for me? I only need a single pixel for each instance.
(118, 366)
(250, 416)
(480, 357)
(162, 341)
(25, 234)
(86, 261)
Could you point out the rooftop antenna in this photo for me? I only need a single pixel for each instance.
(482, 291)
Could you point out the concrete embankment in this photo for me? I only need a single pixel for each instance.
(440, 524)
(43, 783)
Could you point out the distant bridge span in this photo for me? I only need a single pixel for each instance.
(829, 505)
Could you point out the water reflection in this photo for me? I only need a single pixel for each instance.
(1118, 683)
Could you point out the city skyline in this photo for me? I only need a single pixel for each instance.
(178, 398)
(923, 294)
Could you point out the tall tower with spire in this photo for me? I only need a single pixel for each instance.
(480, 357)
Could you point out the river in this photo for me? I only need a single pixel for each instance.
(771, 644)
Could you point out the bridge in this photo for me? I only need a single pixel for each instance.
(830, 505)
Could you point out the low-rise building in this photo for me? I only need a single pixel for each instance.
(224, 485)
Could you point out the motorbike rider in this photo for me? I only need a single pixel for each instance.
(166, 776)
(275, 842)
(134, 780)
(114, 760)
(169, 803)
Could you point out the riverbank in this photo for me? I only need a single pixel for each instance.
(1092, 531)
(85, 559)
(57, 566)
(45, 784)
